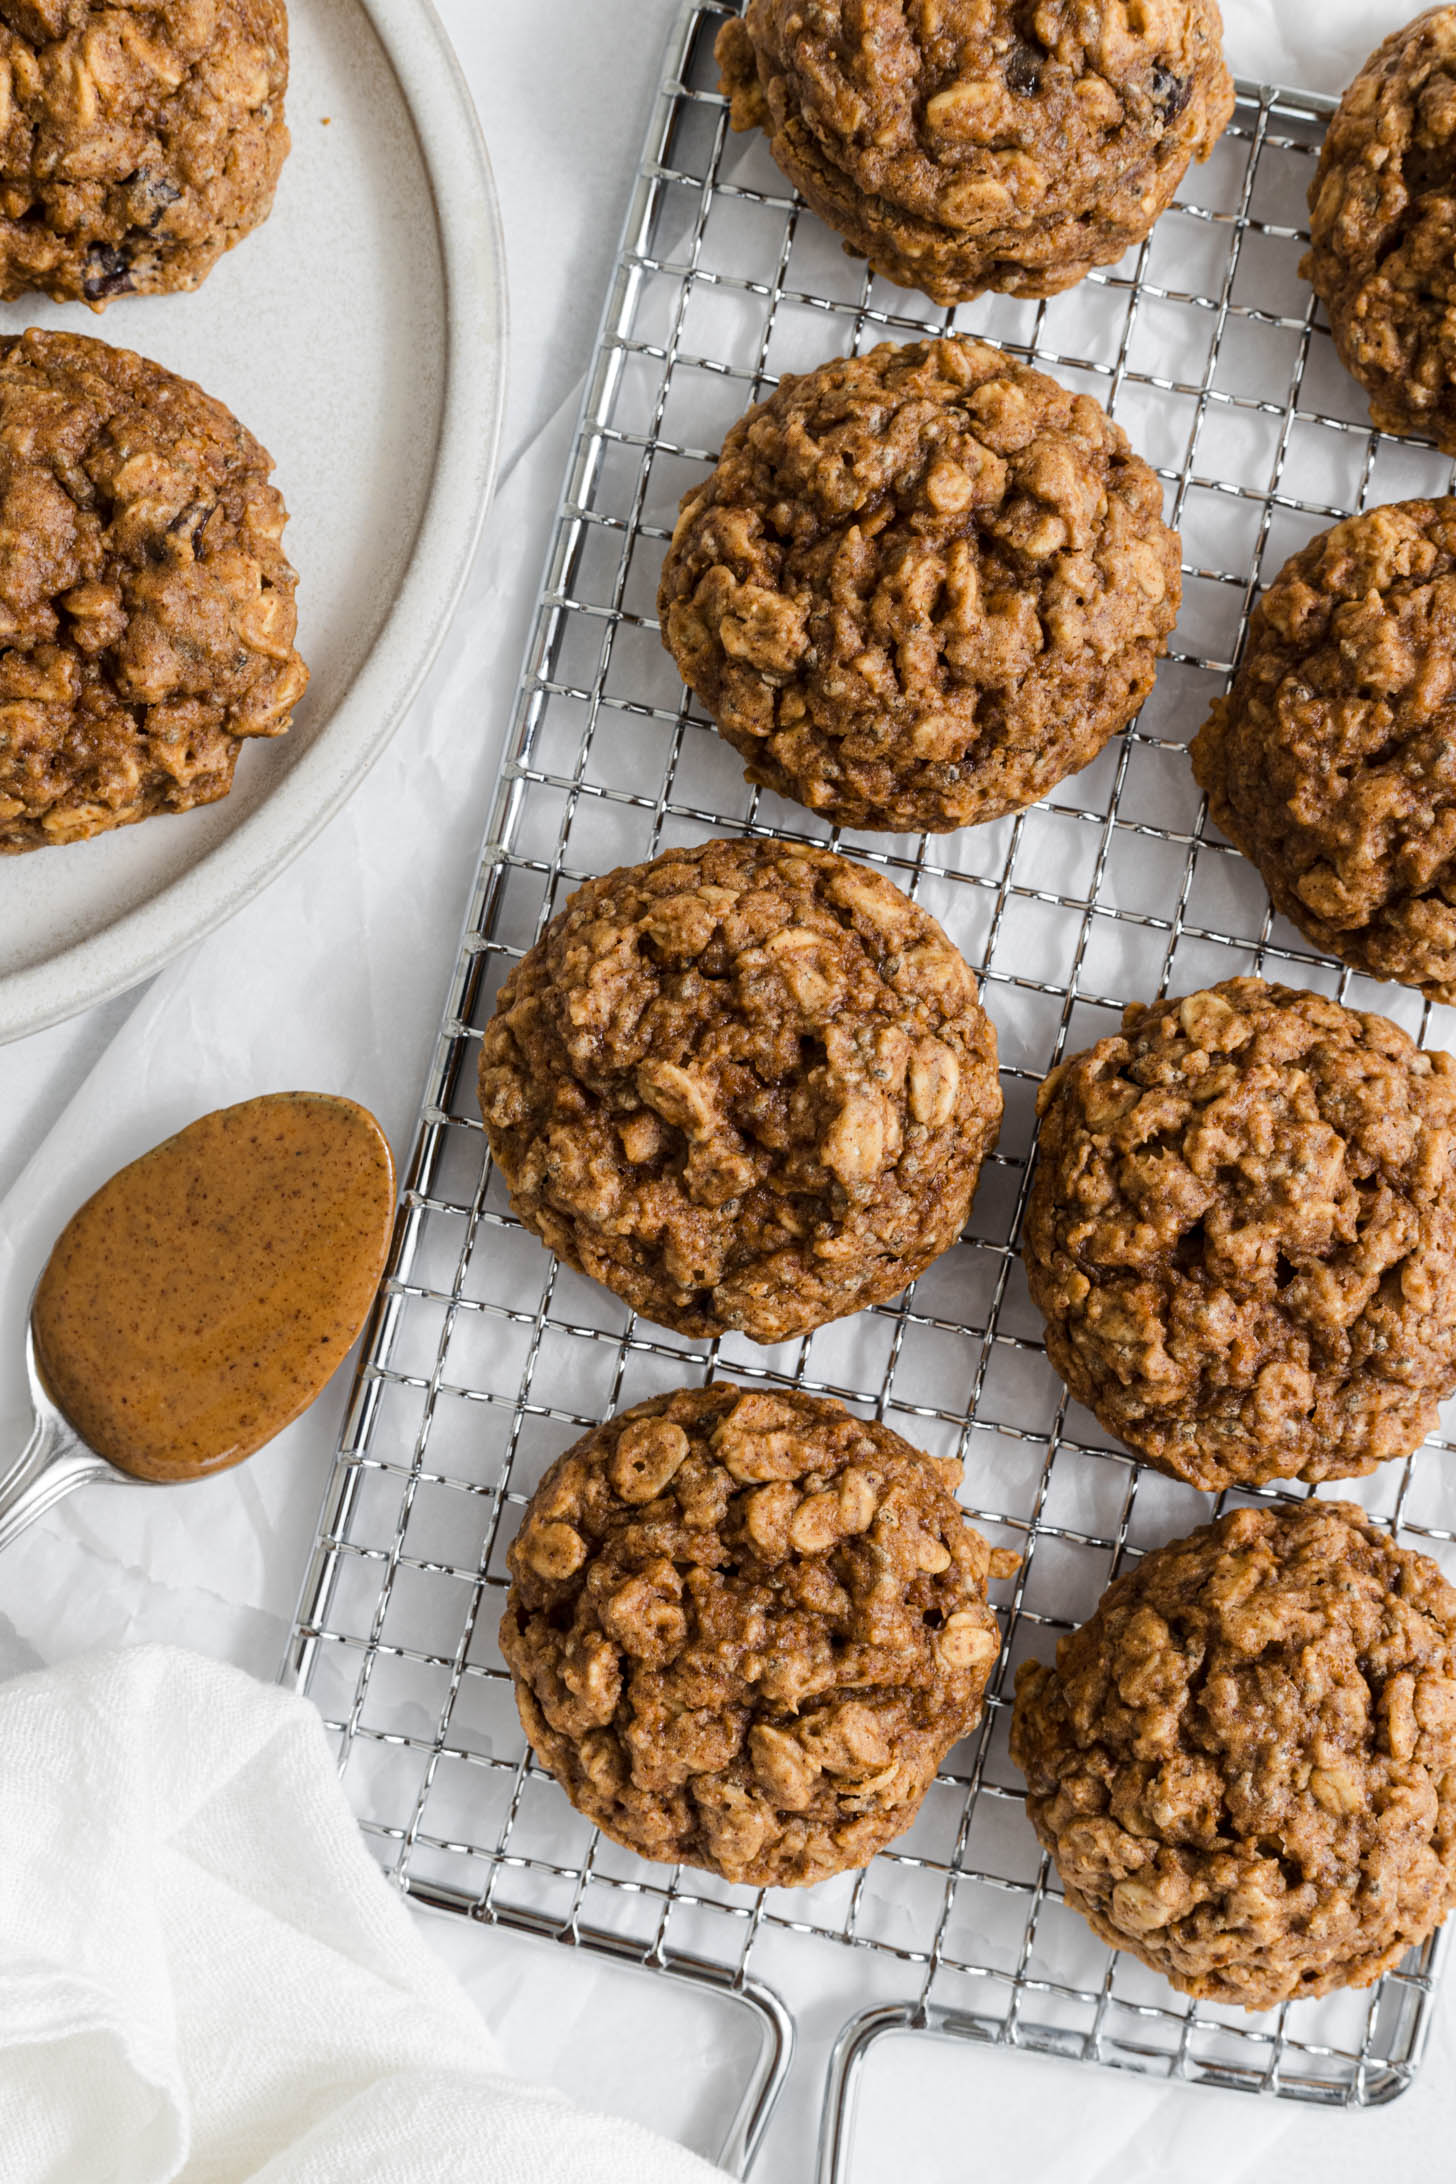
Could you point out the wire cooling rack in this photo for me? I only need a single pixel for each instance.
(486, 1358)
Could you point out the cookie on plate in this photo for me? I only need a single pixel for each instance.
(1242, 1235)
(137, 143)
(1244, 1764)
(147, 615)
(745, 1628)
(961, 145)
(922, 586)
(1382, 255)
(747, 1086)
(1332, 761)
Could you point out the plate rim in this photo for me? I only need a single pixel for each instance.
(142, 942)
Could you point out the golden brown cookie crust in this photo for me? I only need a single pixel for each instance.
(960, 145)
(1242, 1235)
(746, 1086)
(745, 1628)
(1332, 762)
(137, 143)
(1244, 1765)
(147, 613)
(1383, 229)
(922, 586)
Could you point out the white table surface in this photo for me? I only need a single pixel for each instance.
(333, 979)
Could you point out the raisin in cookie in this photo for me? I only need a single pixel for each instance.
(1383, 229)
(922, 586)
(1332, 762)
(137, 143)
(961, 145)
(1242, 1235)
(146, 609)
(746, 1628)
(748, 1085)
(1244, 1765)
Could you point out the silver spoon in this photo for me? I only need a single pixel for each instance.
(313, 1175)
(54, 1460)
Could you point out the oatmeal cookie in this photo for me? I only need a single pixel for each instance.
(137, 143)
(922, 586)
(746, 1628)
(1383, 229)
(961, 145)
(146, 608)
(748, 1085)
(1332, 762)
(1244, 1765)
(1242, 1235)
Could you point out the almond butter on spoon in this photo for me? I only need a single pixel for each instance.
(200, 1301)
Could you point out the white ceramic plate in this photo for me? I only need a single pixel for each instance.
(360, 333)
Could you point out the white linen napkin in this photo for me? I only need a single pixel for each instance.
(205, 1978)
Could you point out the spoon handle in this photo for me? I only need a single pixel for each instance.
(51, 1463)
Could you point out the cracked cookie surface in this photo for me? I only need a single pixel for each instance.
(961, 145)
(1244, 1764)
(1382, 255)
(745, 1628)
(147, 611)
(746, 1086)
(137, 143)
(922, 586)
(1332, 762)
(1242, 1235)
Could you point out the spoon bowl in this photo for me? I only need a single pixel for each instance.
(202, 1299)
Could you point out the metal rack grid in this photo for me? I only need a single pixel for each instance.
(486, 1358)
